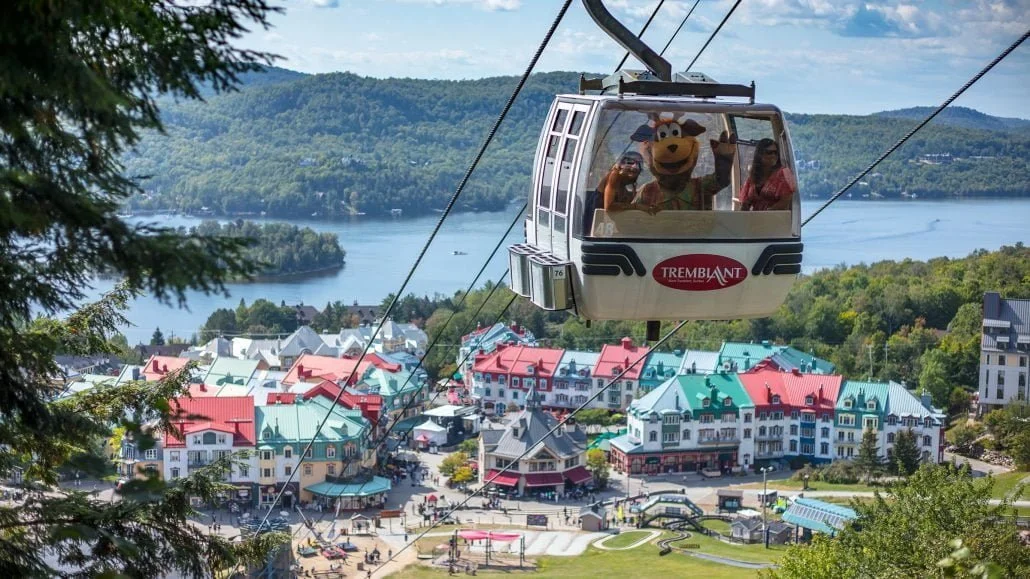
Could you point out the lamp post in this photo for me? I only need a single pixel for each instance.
(805, 479)
(765, 503)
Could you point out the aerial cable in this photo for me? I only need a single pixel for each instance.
(922, 124)
(418, 260)
(678, 28)
(714, 33)
(641, 33)
(530, 447)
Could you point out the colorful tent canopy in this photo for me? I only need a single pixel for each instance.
(543, 479)
(472, 535)
(578, 475)
(507, 479)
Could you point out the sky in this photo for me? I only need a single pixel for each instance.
(806, 56)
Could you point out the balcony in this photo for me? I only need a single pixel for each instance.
(714, 440)
(770, 436)
(199, 462)
(769, 454)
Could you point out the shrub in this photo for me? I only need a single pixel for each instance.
(841, 472)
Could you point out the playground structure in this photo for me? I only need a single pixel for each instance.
(676, 512)
(471, 550)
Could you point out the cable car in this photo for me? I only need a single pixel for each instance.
(641, 205)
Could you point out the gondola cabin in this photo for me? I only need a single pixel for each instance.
(635, 214)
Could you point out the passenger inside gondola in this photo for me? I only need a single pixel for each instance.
(619, 186)
(770, 186)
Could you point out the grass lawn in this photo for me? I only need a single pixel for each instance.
(755, 553)
(625, 539)
(717, 526)
(1004, 483)
(642, 561)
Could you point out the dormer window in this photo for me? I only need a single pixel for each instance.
(776, 399)
(809, 400)
(847, 404)
(706, 403)
(871, 405)
(727, 402)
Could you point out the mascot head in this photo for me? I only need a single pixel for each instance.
(674, 146)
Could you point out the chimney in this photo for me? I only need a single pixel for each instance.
(203, 387)
(926, 399)
(627, 343)
(300, 370)
(135, 373)
(992, 304)
(768, 393)
(796, 371)
(820, 398)
(164, 368)
(156, 367)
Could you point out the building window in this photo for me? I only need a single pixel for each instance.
(809, 400)
(244, 471)
(847, 404)
(761, 431)
(706, 403)
(794, 414)
(652, 436)
(266, 455)
(571, 462)
(840, 451)
(266, 473)
(1001, 359)
(686, 434)
(287, 452)
(776, 399)
(824, 448)
(793, 446)
(670, 437)
(846, 419)
(330, 451)
(707, 418)
(927, 441)
(807, 448)
(175, 473)
(727, 402)
(890, 438)
(150, 454)
(747, 433)
(330, 469)
(1000, 394)
(763, 415)
(870, 423)
(793, 429)
(307, 452)
(221, 439)
(824, 432)
(1022, 361)
(1001, 378)
(209, 438)
(287, 470)
(671, 419)
(826, 418)
(729, 417)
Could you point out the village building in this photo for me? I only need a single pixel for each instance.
(659, 367)
(1004, 352)
(500, 380)
(554, 463)
(689, 423)
(573, 382)
(623, 363)
(484, 341)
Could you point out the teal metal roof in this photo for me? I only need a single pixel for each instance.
(696, 388)
(661, 365)
(375, 486)
(790, 358)
(298, 422)
(902, 402)
(860, 393)
(225, 370)
(818, 515)
(747, 354)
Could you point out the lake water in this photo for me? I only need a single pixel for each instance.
(379, 252)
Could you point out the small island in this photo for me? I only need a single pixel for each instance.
(287, 250)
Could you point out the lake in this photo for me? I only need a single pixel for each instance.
(379, 252)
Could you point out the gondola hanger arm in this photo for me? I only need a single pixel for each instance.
(619, 33)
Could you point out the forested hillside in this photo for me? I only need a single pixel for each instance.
(335, 144)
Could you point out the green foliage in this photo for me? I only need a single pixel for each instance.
(959, 564)
(261, 319)
(1010, 427)
(282, 248)
(837, 472)
(597, 462)
(158, 338)
(964, 435)
(470, 446)
(80, 82)
(463, 474)
(905, 532)
(452, 462)
(906, 452)
(869, 462)
(594, 417)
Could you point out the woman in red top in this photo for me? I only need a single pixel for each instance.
(770, 186)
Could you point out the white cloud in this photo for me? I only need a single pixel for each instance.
(325, 3)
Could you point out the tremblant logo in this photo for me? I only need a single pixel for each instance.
(699, 272)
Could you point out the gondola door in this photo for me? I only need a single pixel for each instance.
(553, 196)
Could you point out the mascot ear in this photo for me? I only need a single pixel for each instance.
(692, 127)
(644, 132)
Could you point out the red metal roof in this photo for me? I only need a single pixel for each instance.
(280, 398)
(621, 356)
(508, 479)
(310, 368)
(516, 361)
(371, 405)
(158, 367)
(578, 475)
(762, 385)
(822, 388)
(231, 414)
(544, 479)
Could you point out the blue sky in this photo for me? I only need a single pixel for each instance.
(807, 56)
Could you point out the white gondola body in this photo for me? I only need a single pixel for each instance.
(715, 264)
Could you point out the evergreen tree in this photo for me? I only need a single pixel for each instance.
(157, 338)
(869, 461)
(81, 82)
(906, 452)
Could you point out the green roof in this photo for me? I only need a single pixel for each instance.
(227, 370)
(298, 422)
(747, 354)
(375, 486)
(661, 365)
(819, 515)
(687, 392)
(860, 393)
